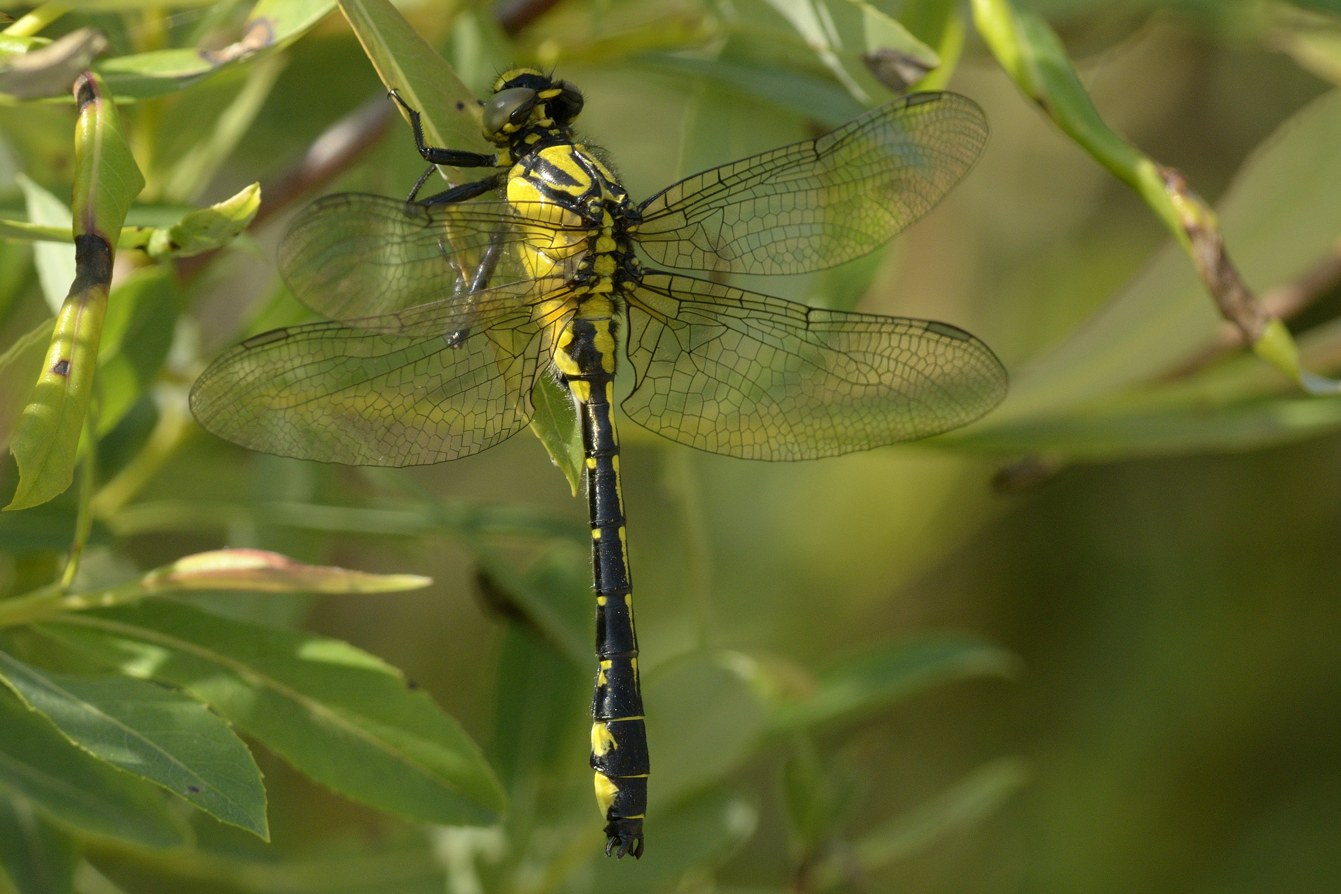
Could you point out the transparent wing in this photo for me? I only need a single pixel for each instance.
(355, 257)
(822, 202)
(751, 376)
(425, 385)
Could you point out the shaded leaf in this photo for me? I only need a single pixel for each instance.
(76, 789)
(272, 25)
(336, 713)
(887, 674)
(137, 333)
(36, 857)
(963, 805)
(48, 71)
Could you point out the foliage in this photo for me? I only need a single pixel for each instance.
(143, 665)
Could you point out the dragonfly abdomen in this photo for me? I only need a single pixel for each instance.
(584, 358)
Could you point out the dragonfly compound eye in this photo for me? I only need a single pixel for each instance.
(508, 110)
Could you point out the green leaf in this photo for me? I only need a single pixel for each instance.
(36, 857)
(338, 714)
(964, 804)
(20, 363)
(107, 179)
(54, 260)
(141, 321)
(1034, 57)
(151, 732)
(553, 595)
(845, 36)
(555, 424)
(708, 718)
(887, 674)
(46, 442)
(206, 229)
(406, 63)
(1088, 396)
(76, 789)
(258, 571)
(272, 25)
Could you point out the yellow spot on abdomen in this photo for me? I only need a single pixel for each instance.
(605, 794)
(601, 739)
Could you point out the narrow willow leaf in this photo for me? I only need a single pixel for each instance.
(258, 571)
(272, 25)
(75, 789)
(141, 321)
(20, 363)
(206, 229)
(106, 181)
(1033, 55)
(406, 63)
(888, 674)
(54, 261)
(151, 732)
(336, 713)
(964, 804)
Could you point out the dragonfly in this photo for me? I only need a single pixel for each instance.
(445, 312)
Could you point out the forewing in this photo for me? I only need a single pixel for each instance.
(399, 390)
(353, 256)
(822, 202)
(747, 375)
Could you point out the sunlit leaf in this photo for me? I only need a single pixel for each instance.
(258, 571)
(151, 732)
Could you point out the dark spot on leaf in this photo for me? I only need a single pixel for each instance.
(412, 685)
(260, 34)
(85, 92)
(93, 262)
(193, 789)
(61, 367)
(460, 106)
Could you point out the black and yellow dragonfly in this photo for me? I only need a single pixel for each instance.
(447, 310)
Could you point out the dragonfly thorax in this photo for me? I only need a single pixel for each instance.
(573, 215)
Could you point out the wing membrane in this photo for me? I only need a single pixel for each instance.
(355, 257)
(752, 376)
(822, 202)
(397, 390)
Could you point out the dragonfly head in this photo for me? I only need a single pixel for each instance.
(526, 100)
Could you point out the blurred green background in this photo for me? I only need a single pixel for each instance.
(1163, 569)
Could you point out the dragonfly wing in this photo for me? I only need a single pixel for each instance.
(387, 397)
(352, 256)
(752, 376)
(818, 203)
